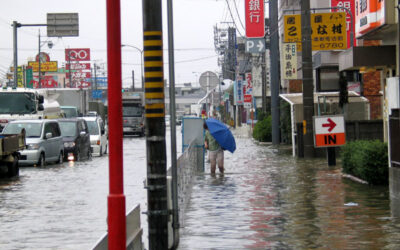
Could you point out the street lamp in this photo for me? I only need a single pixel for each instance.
(141, 60)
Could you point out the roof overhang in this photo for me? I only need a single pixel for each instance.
(377, 57)
(326, 59)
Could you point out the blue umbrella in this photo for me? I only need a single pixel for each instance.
(222, 134)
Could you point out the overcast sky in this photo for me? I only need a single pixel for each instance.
(194, 22)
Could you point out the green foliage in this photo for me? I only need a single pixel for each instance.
(285, 122)
(261, 115)
(367, 160)
(263, 130)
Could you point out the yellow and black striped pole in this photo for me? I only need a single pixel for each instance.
(155, 125)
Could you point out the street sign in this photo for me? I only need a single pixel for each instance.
(328, 31)
(254, 14)
(255, 45)
(329, 131)
(208, 80)
(62, 24)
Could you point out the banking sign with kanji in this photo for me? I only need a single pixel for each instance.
(254, 15)
(328, 31)
(329, 131)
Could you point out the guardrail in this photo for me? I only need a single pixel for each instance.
(133, 232)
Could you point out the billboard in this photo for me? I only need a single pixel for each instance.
(254, 15)
(51, 66)
(328, 31)
(348, 4)
(77, 54)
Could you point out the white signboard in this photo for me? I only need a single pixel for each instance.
(289, 61)
(329, 131)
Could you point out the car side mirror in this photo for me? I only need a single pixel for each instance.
(40, 107)
(49, 135)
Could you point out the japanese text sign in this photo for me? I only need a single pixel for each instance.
(370, 15)
(329, 131)
(328, 31)
(248, 86)
(254, 14)
(289, 61)
(51, 66)
(348, 4)
(238, 90)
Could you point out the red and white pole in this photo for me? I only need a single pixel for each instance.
(116, 197)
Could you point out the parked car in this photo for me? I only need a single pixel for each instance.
(76, 139)
(44, 142)
(98, 135)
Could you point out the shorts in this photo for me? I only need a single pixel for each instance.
(216, 156)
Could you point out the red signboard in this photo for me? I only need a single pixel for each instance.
(80, 74)
(254, 12)
(247, 98)
(348, 4)
(78, 66)
(77, 54)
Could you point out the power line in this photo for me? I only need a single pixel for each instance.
(233, 18)
(237, 12)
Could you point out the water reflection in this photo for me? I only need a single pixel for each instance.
(269, 200)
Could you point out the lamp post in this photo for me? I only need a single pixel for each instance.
(141, 60)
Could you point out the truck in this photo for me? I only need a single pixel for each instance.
(133, 113)
(69, 98)
(23, 103)
(10, 145)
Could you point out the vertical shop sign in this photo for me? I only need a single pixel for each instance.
(348, 4)
(254, 14)
(289, 59)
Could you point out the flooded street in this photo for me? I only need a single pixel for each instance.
(269, 200)
(65, 206)
(266, 200)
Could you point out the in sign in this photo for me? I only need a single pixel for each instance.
(329, 131)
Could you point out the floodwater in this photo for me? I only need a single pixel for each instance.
(65, 206)
(269, 200)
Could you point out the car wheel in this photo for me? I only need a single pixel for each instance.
(13, 168)
(60, 158)
(42, 161)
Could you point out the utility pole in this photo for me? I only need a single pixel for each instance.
(308, 81)
(275, 71)
(15, 26)
(133, 80)
(157, 212)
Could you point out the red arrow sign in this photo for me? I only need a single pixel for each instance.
(331, 124)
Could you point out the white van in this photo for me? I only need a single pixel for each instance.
(44, 142)
(98, 135)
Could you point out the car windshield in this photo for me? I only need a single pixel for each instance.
(68, 128)
(70, 112)
(17, 103)
(132, 110)
(93, 127)
(32, 130)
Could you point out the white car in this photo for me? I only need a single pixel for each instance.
(98, 135)
(44, 142)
